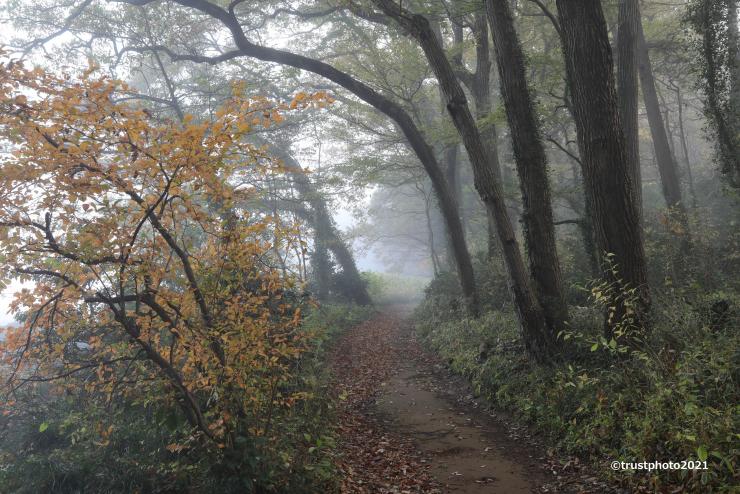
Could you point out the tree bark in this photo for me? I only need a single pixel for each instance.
(531, 163)
(608, 183)
(627, 93)
(452, 165)
(537, 339)
(479, 85)
(321, 265)
(664, 156)
(451, 171)
(436, 266)
(447, 204)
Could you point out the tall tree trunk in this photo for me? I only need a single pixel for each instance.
(584, 222)
(608, 184)
(430, 237)
(479, 85)
(321, 265)
(452, 165)
(666, 165)
(733, 55)
(685, 148)
(531, 163)
(452, 173)
(537, 338)
(629, 18)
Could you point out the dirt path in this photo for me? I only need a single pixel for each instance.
(407, 425)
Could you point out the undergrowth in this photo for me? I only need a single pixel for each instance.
(674, 396)
(56, 447)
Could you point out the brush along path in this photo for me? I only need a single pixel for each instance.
(404, 429)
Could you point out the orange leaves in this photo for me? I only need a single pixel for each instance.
(175, 448)
(320, 99)
(141, 247)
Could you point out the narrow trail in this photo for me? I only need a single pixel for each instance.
(408, 426)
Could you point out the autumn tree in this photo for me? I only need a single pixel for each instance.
(141, 283)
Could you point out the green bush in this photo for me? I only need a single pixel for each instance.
(673, 397)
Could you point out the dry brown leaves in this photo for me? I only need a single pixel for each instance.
(371, 458)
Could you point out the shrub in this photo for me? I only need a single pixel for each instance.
(674, 397)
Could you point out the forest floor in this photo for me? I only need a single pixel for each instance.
(408, 425)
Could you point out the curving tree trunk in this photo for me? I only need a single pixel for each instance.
(447, 204)
(327, 237)
(531, 164)
(478, 84)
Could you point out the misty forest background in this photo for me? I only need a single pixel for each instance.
(199, 196)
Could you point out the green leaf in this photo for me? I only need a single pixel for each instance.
(594, 347)
(701, 452)
(43, 426)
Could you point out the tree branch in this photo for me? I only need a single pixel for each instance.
(565, 150)
(549, 15)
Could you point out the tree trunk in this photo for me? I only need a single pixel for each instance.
(531, 163)
(479, 85)
(436, 266)
(709, 18)
(451, 171)
(538, 340)
(608, 183)
(685, 148)
(328, 238)
(629, 18)
(321, 266)
(452, 163)
(666, 165)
